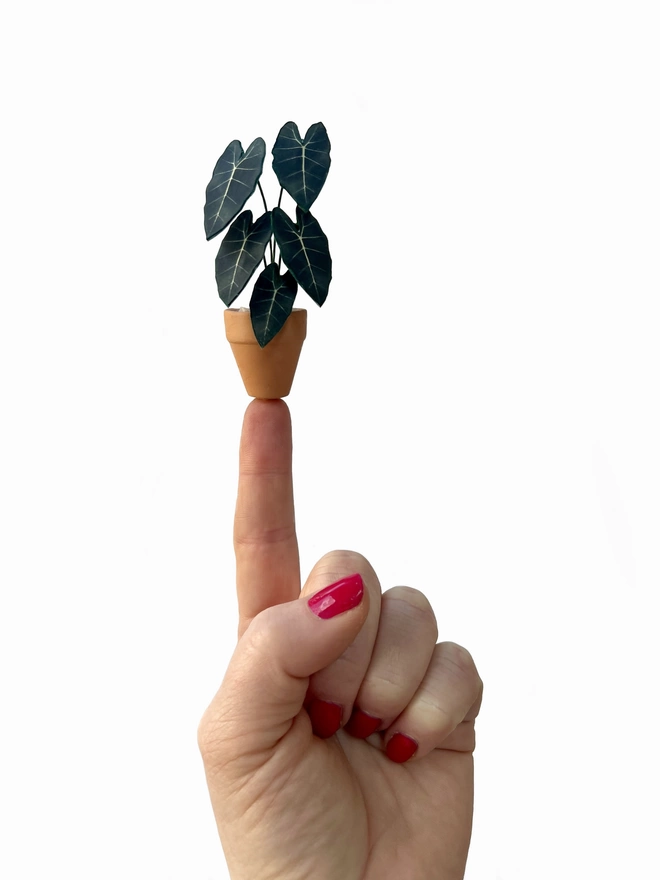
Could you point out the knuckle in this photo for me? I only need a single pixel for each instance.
(417, 606)
(459, 660)
(263, 537)
(462, 738)
(256, 635)
(387, 685)
(351, 557)
(257, 645)
(340, 563)
(408, 594)
(258, 651)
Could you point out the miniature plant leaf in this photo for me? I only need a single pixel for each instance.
(271, 303)
(301, 165)
(240, 253)
(234, 180)
(304, 249)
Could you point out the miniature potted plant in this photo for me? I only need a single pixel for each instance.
(267, 338)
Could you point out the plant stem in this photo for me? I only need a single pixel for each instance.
(262, 195)
(272, 252)
(279, 202)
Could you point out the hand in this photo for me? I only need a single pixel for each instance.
(294, 793)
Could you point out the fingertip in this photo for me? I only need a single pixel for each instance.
(401, 748)
(266, 438)
(266, 408)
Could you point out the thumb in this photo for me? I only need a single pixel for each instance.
(267, 678)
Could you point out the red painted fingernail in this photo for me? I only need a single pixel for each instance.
(340, 596)
(400, 748)
(325, 717)
(362, 725)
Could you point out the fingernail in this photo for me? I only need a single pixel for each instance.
(362, 725)
(325, 717)
(338, 597)
(401, 748)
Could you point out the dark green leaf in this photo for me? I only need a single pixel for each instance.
(234, 180)
(271, 303)
(305, 251)
(302, 165)
(240, 253)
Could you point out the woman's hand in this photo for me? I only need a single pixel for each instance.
(337, 748)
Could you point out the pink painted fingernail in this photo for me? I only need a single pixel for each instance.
(401, 748)
(325, 717)
(338, 597)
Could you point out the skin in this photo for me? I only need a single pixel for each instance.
(289, 804)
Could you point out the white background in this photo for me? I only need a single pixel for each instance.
(475, 408)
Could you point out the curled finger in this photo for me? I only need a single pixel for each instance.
(441, 714)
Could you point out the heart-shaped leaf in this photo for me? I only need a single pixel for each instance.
(301, 165)
(240, 253)
(271, 303)
(304, 249)
(234, 180)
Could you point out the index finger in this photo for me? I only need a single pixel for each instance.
(265, 542)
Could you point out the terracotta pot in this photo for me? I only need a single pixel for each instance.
(266, 372)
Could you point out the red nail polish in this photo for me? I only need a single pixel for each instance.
(325, 717)
(340, 596)
(400, 748)
(361, 724)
